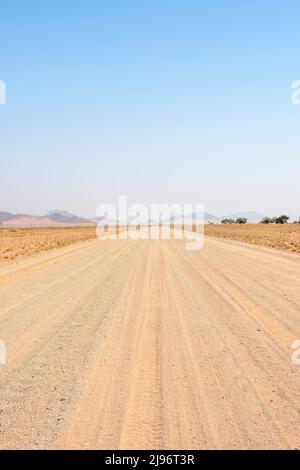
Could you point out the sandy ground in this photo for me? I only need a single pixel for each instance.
(141, 344)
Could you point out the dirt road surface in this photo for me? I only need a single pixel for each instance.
(141, 344)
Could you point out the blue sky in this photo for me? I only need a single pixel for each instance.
(164, 101)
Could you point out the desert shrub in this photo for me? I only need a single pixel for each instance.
(267, 220)
(227, 221)
(282, 219)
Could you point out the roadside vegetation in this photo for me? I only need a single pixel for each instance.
(27, 241)
(282, 219)
(273, 235)
(239, 220)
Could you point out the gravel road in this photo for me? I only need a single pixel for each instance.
(143, 345)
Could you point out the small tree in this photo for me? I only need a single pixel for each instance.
(241, 220)
(282, 219)
(227, 221)
(266, 220)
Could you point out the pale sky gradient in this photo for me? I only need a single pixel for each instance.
(165, 101)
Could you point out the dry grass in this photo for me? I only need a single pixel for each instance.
(27, 241)
(285, 237)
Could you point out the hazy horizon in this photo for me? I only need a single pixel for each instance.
(252, 214)
(173, 102)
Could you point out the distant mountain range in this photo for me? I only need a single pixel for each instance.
(65, 217)
(59, 218)
(54, 218)
(251, 216)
